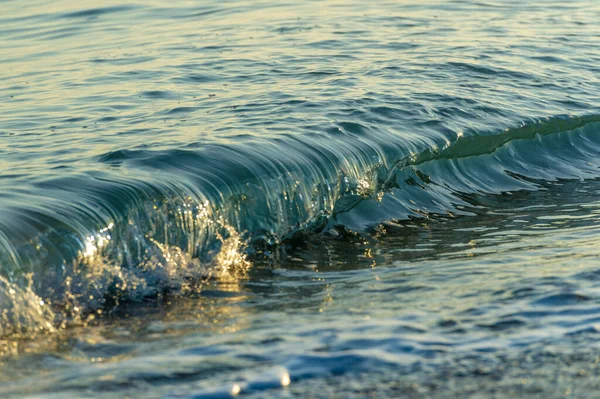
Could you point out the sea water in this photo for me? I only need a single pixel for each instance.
(299, 199)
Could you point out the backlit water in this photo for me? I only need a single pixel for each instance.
(299, 199)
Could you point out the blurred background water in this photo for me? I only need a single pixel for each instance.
(299, 199)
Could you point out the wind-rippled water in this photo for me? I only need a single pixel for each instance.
(311, 199)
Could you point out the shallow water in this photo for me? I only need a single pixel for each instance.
(312, 199)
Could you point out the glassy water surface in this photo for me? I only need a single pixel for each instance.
(299, 199)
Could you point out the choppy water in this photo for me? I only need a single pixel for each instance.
(311, 199)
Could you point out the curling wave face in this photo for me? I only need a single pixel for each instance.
(126, 240)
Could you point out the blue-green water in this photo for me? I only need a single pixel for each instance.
(299, 199)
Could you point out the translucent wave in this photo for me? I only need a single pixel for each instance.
(162, 221)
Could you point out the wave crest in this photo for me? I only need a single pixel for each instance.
(195, 215)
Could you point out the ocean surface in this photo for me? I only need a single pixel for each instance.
(312, 199)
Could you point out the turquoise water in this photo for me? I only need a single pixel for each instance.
(299, 199)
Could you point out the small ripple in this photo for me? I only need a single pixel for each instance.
(97, 12)
(562, 299)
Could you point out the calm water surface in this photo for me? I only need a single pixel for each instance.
(210, 199)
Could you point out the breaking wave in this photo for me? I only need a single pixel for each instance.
(147, 222)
